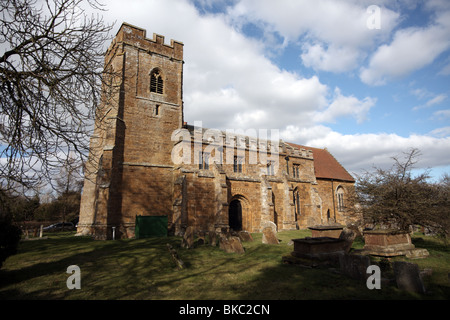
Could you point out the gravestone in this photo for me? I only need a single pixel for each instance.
(408, 277)
(212, 235)
(188, 238)
(348, 236)
(231, 244)
(354, 265)
(270, 224)
(179, 263)
(245, 236)
(269, 236)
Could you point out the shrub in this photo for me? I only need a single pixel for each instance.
(9, 239)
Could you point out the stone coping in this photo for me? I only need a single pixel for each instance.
(317, 240)
(385, 231)
(327, 227)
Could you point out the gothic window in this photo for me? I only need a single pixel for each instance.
(156, 82)
(340, 199)
(296, 171)
(271, 168)
(237, 165)
(296, 196)
(206, 161)
(203, 160)
(200, 160)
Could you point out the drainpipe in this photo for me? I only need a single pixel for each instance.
(334, 206)
(287, 165)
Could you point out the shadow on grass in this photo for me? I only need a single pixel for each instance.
(143, 269)
(38, 271)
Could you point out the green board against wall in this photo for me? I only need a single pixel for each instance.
(151, 226)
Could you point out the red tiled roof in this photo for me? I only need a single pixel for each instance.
(325, 165)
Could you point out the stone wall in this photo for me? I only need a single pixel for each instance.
(331, 212)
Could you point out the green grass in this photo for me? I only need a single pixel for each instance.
(143, 269)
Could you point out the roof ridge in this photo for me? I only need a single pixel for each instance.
(325, 149)
(325, 169)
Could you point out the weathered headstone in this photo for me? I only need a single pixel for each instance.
(179, 263)
(201, 239)
(408, 277)
(212, 238)
(427, 272)
(245, 236)
(348, 236)
(188, 238)
(270, 224)
(354, 265)
(231, 245)
(269, 236)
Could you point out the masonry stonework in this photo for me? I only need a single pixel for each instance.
(131, 170)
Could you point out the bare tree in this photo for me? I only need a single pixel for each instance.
(396, 197)
(70, 178)
(68, 185)
(51, 63)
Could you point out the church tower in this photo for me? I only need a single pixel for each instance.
(130, 171)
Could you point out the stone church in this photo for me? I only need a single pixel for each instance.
(140, 136)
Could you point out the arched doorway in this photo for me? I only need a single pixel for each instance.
(235, 215)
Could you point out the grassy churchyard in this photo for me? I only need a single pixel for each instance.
(144, 269)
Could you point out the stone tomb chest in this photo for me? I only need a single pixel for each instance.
(390, 243)
(320, 248)
(332, 231)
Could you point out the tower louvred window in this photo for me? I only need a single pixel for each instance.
(156, 82)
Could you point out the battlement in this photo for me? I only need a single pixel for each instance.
(297, 151)
(136, 37)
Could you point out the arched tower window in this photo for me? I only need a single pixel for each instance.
(156, 81)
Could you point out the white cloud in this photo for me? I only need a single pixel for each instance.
(333, 59)
(445, 70)
(436, 100)
(411, 49)
(228, 80)
(421, 93)
(230, 83)
(362, 151)
(441, 132)
(343, 106)
(334, 33)
(433, 101)
(441, 114)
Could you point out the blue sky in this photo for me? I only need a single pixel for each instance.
(315, 71)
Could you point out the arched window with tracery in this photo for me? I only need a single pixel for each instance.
(156, 82)
(340, 199)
